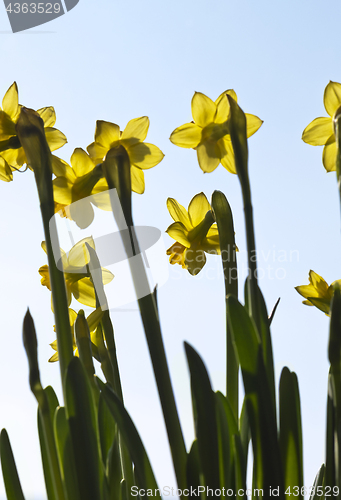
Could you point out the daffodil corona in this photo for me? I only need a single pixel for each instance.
(194, 231)
(318, 293)
(320, 132)
(208, 134)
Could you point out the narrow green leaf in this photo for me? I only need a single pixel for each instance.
(318, 484)
(227, 419)
(106, 426)
(82, 422)
(193, 471)
(291, 432)
(240, 467)
(49, 484)
(9, 469)
(206, 428)
(258, 397)
(245, 431)
(114, 470)
(143, 472)
(65, 453)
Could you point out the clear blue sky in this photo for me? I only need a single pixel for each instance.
(120, 60)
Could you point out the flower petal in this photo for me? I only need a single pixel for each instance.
(107, 133)
(135, 131)
(107, 276)
(62, 190)
(10, 102)
(5, 171)
(7, 126)
(203, 109)
(208, 156)
(137, 180)
(253, 123)
(45, 276)
(55, 138)
(94, 318)
(329, 155)
(81, 162)
(48, 116)
(332, 97)
(62, 169)
(79, 255)
(198, 208)
(144, 155)
(186, 136)
(223, 106)
(178, 213)
(318, 131)
(227, 155)
(97, 152)
(195, 259)
(178, 232)
(83, 291)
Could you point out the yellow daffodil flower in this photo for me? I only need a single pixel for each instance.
(93, 320)
(10, 146)
(318, 293)
(79, 181)
(77, 281)
(194, 232)
(142, 155)
(320, 132)
(208, 134)
(5, 171)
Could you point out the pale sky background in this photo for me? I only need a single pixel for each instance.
(120, 60)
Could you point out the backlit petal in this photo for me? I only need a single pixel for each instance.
(186, 136)
(5, 171)
(55, 138)
(61, 169)
(253, 123)
(332, 97)
(107, 133)
(329, 155)
(97, 151)
(79, 255)
(178, 213)
(83, 291)
(203, 109)
(144, 155)
(48, 116)
(223, 107)
(81, 162)
(198, 208)
(137, 180)
(135, 131)
(318, 131)
(227, 155)
(178, 232)
(10, 101)
(195, 260)
(62, 190)
(208, 156)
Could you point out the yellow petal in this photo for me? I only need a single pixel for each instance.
(203, 109)
(107, 276)
(178, 213)
(144, 155)
(100, 195)
(5, 171)
(45, 276)
(10, 102)
(15, 157)
(7, 126)
(208, 156)
(253, 123)
(81, 162)
(195, 260)
(94, 318)
(55, 138)
(318, 282)
(332, 97)
(83, 291)
(186, 136)
(62, 190)
(223, 107)
(307, 291)
(107, 133)
(329, 155)
(198, 208)
(135, 131)
(48, 116)
(79, 255)
(178, 232)
(62, 169)
(137, 180)
(318, 131)
(227, 155)
(321, 304)
(97, 152)
(54, 358)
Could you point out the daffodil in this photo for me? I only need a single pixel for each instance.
(142, 155)
(318, 293)
(93, 320)
(320, 132)
(10, 146)
(77, 280)
(80, 180)
(208, 134)
(194, 231)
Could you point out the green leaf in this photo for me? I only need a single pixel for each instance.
(65, 453)
(291, 432)
(318, 482)
(240, 467)
(245, 431)
(106, 426)
(193, 468)
(143, 472)
(48, 477)
(82, 422)
(114, 471)
(227, 428)
(259, 403)
(9, 469)
(206, 428)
